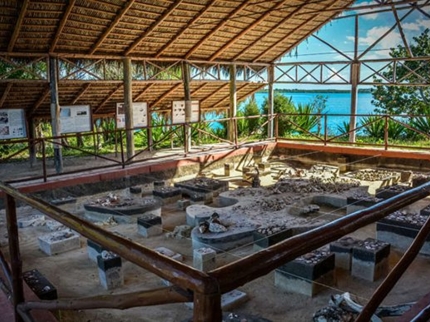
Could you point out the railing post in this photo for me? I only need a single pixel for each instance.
(15, 256)
(276, 127)
(207, 308)
(386, 133)
(44, 160)
(325, 129)
(121, 145)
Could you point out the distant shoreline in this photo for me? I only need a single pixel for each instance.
(362, 90)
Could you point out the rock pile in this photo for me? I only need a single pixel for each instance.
(407, 217)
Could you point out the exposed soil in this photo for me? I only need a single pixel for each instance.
(75, 275)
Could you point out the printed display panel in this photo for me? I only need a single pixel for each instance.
(178, 112)
(12, 124)
(140, 115)
(75, 118)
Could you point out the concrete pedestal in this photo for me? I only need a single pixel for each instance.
(167, 195)
(40, 285)
(370, 259)
(94, 250)
(110, 271)
(342, 249)
(308, 274)
(228, 168)
(262, 241)
(149, 225)
(58, 242)
(204, 259)
(169, 253)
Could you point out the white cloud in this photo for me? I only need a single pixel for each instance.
(413, 26)
(389, 41)
(367, 15)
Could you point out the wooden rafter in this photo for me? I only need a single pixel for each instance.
(268, 32)
(41, 99)
(214, 93)
(217, 28)
(170, 91)
(118, 18)
(81, 93)
(18, 26)
(62, 24)
(289, 34)
(178, 35)
(203, 86)
(246, 30)
(138, 96)
(6, 92)
(120, 86)
(151, 28)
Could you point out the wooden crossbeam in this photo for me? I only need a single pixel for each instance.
(62, 24)
(18, 26)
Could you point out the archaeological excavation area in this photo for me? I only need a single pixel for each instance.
(285, 237)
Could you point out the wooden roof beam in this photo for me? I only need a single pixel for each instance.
(162, 97)
(151, 28)
(178, 35)
(217, 28)
(143, 92)
(214, 93)
(278, 25)
(108, 97)
(41, 99)
(118, 18)
(62, 24)
(5, 94)
(243, 32)
(402, 34)
(81, 93)
(18, 26)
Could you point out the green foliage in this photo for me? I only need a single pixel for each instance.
(374, 127)
(246, 126)
(406, 99)
(281, 104)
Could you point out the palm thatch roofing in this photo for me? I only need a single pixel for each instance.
(244, 32)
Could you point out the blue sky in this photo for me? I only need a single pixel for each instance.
(340, 34)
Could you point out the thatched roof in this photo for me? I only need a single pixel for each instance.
(245, 31)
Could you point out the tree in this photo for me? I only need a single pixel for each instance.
(250, 125)
(283, 105)
(406, 99)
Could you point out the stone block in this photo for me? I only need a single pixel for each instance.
(308, 274)
(370, 259)
(167, 195)
(32, 220)
(59, 242)
(94, 249)
(204, 259)
(401, 233)
(262, 240)
(110, 270)
(40, 285)
(264, 168)
(135, 190)
(149, 225)
(342, 249)
(169, 253)
(390, 191)
(183, 204)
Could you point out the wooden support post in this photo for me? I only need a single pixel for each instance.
(233, 104)
(128, 107)
(32, 141)
(187, 97)
(355, 79)
(270, 101)
(55, 114)
(207, 308)
(15, 256)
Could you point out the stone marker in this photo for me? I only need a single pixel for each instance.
(59, 242)
(94, 249)
(110, 270)
(149, 225)
(342, 250)
(228, 167)
(204, 259)
(40, 285)
(370, 259)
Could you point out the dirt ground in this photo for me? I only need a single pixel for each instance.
(74, 275)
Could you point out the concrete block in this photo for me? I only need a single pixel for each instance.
(264, 168)
(370, 259)
(54, 225)
(342, 249)
(58, 242)
(149, 225)
(390, 191)
(400, 234)
(94, 249)
(308, 274)
(169, 253)
(204, 259)
(40, 285)
(183, 204)
(262, 241)
(29, 221)
(167, 195)
(110, 270)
